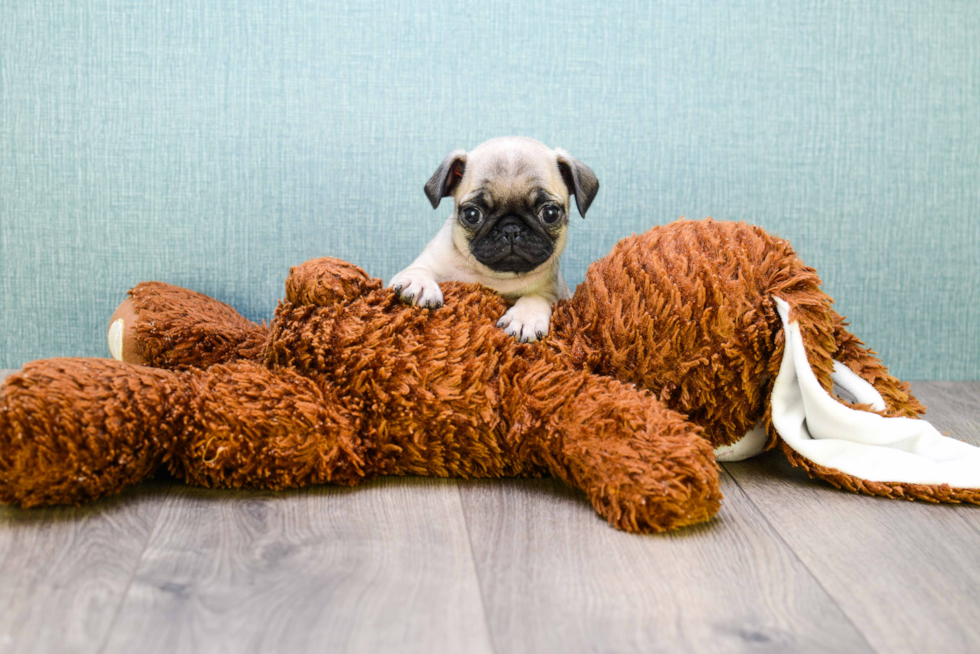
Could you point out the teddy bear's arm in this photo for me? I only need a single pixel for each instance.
(167, 326)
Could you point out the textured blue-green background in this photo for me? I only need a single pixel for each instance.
(214, 144)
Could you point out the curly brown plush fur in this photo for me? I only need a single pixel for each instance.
(667, 350)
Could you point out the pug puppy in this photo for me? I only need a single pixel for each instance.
(507, 231)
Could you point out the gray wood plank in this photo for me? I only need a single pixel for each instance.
(382, 567)
(556, 578)
(907, 574)
(64, 571)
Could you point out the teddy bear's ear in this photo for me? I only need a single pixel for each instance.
(327, 281)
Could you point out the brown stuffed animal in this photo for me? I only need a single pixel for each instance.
(672, 347)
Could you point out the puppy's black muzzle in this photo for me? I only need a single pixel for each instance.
(512, 246)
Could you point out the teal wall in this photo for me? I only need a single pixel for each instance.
(214, 144)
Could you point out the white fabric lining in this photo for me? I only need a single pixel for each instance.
(849, 386)
(745, 447)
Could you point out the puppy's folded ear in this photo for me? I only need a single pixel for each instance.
(446, 178)
(579, 178)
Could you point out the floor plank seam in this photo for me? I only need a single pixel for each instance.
(129, 583)
(809, 570)
(476, 570)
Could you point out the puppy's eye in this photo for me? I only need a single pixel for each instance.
(471, 215)
(550, 213)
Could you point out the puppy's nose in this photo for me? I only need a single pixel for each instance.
(510, 228)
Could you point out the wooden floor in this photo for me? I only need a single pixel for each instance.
(414, 565)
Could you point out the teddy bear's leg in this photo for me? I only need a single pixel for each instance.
(251, 426)
(644, 467)
(171, 327)
(72, 430)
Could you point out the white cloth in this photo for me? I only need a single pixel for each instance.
(858, 443)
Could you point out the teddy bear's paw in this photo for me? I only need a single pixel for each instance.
(644, 511)
(527, 320)
(116, 330)
(417, 287)
(655, 480)
(123, 344)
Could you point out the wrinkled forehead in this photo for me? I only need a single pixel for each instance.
(508, 175)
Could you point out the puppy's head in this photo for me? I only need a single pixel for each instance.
(512, 201)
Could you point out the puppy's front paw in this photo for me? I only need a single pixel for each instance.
(527, 320)
(418, 287)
